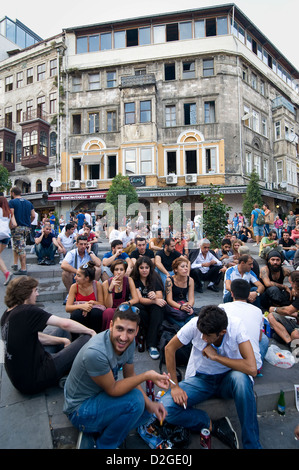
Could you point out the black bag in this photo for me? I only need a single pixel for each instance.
(167, 436)
(168, 331)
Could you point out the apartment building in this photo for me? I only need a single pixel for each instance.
(175, 101)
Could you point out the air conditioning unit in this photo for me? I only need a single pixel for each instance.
(91, 184)
(74, 184)
(192, 178)
(171, 179)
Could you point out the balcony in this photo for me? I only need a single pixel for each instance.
(35, 138)
(7, 148)
(138, 80)
(34, 114)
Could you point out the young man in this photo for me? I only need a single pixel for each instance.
(46, 246)
(141, 250)
(288, 245)
(115, 253)
(273, 275)
(251, 316)
(24, 214)
(243, 270)
(164, 259)
(156, 243)
(258, 230)
(220, 364)
(269, 243)
(205, 267)
(95, 400)
(29, 362)
(66, 240)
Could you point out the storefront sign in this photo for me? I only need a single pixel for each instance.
(69, 196)
(137, 181)
(161, 193)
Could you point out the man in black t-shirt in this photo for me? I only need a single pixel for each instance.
(288, 245)
(164, 259)
(287, 329)
(34, 359)
(46, 246)
(141, 250)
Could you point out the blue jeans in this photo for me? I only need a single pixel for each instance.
(111, 417)
(232, 384)
(163, 276)
(289, 254)
(264, 344)
(42, 252)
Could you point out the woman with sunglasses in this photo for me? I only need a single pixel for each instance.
(151, 303)
(180, 293)
(117, 290)
(85, 300)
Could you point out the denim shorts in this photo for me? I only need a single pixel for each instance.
(5, 241)
(258, 230)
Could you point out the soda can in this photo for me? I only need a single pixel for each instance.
(150, 389)
(205, 439)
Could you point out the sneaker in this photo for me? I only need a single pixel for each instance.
(21, 272)
(14, 267)
(154, 353)
(8, 277)
(223, 430)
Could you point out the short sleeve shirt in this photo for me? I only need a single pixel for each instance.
(233, 273)
(168, 260)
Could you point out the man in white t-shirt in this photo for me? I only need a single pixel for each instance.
(250, 315)
(221, 364)
(66, 240)
(127, 236)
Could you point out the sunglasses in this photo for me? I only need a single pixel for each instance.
(125, 307)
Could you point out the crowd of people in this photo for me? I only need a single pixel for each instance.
(122, 299)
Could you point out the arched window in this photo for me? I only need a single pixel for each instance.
(49, 187)
(39, 186)
(43, 143)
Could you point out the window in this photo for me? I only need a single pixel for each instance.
(222, 26)
(132, 37)
(209, 107)
(279, 172)
(19, 148)
(76, 83)
(76, 169)
(255, 121)
(82, 45)
(93, 123)
(19, 79)
(111, 79)
(188, 69)
(246, 117)
(170, 116)
(262, 87)
(94, 43)
(53, 67)
(111, 121)
(141, 71)
(159, 34)
(53, 144)
(245, 74)
(277, 130)
(94, 172)
(119, 39)
(9, 150)
(208, 67)
(8, 117)
(53, 103)
(254, 81)
(76, 123)
(191, 163)
(199, 29)
(130, 161)
(38, 186)
(94, 81)
(144, 36)
(146, 161)
(266, 170)
(130, 113)
(29, 109)
(169, 70)
(41, 72)
(211, 27)
(145, 111)
(29, 76)
(211, 163)
(172, 32)
(189, 113)
(248, 163)
(257, 164)
(43, 144)
(185, 30)
(111, 170)
(171, 163)
(41, 106)
(264, 126)
(9, 83)
(106, 41)
(1, 149)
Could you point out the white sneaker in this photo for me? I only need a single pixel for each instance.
(154, 353)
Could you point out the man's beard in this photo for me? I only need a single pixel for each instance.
(275, 269)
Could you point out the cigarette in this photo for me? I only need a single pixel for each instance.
(161, 422)
(172, 382)
(184, 405)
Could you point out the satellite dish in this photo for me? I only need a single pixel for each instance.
(55, 184)
(247, 116)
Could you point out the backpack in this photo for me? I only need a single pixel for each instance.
(260, 219)
(168, 331)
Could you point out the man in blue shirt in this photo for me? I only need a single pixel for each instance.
(243, 270)
(24, 214)
(115, 253)
(258, 230)
(80, 218)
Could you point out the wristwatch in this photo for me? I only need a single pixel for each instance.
(91, 253)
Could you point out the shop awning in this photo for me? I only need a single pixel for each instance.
(91, 159)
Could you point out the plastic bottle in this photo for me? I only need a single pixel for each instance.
(141, 346)
(281, 405)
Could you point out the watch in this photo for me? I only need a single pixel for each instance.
(91, 253)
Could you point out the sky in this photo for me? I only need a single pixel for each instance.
(277, 19)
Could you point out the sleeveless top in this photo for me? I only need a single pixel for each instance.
(85, 298)
(279, 280)
(179, 293)
(123, 296)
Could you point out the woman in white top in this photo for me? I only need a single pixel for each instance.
(7, 221)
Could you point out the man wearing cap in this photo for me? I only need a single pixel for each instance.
(273, 275)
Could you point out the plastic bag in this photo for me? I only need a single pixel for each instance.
(279, 358)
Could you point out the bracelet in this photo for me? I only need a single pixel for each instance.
(180, 307)
(110, 291)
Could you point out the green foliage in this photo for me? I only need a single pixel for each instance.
(214, 216)
(121, 186)
(252, 196)
(5, 182)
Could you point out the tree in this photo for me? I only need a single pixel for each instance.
(121, 195)
(252, 196)
(214, 216)
(5, 182)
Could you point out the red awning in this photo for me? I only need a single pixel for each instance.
(77, 196)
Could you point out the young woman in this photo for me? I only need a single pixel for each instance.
(7, 221)
(180, 293)
(235, 249)
(151, 304)
(117, 290)
(85, 300)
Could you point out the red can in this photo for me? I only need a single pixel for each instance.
(150, 389)
(205, 439)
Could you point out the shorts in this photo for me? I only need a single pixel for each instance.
(258, 230)
(5, 241)
(289, 323)
(19, 236)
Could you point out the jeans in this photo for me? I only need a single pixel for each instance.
(111, 417)
(163, 276)
(289, 254)
(232, 384)
(42, 252)
(264, 344)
